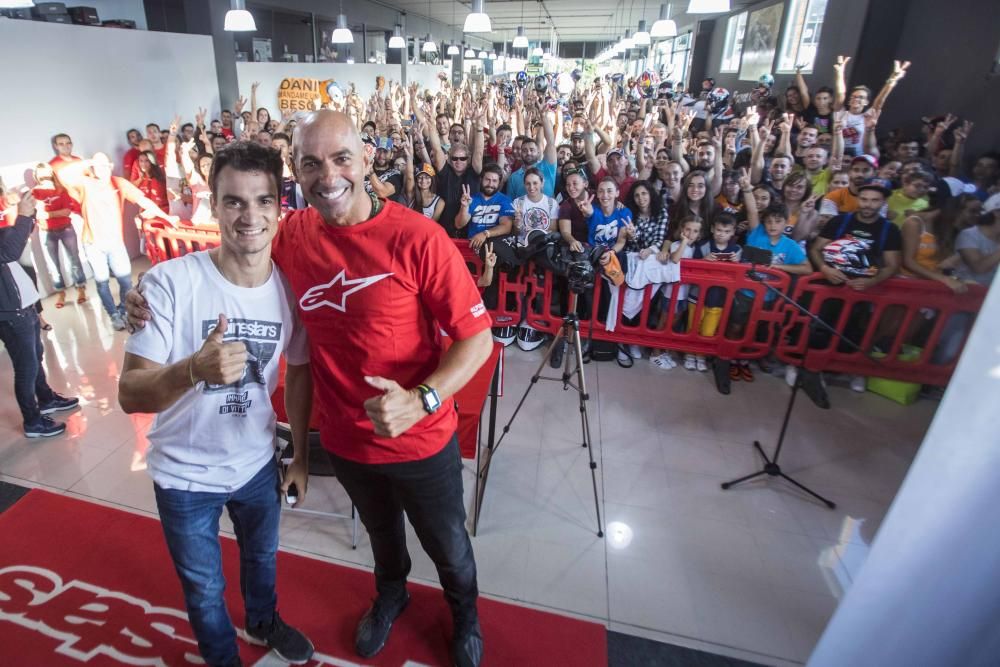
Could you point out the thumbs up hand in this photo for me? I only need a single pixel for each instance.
(218, 362)
(394, 410)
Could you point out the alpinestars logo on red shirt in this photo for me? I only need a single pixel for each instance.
(334, 293)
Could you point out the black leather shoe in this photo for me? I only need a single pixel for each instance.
(374, 626)
(467, 647)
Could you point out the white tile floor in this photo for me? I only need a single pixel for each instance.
(754, 572)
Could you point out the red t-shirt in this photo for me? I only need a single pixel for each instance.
(153, 189)
(227, 132)
(623, 187)
(161, 156)
(130, 157)
(55, 200)
(373, 298)
(59, 161)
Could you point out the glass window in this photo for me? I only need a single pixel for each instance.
(733, 48)
(801, 38)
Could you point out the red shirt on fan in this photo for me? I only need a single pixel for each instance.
(152, 188)
(55, 200)
(130, 157)
(373, 298)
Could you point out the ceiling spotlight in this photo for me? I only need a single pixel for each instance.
(483, 55)
(238, 19)
(520, 41)
(397, 41)
(453, 50)
(477, 20)
(429, 45)
(343, 34)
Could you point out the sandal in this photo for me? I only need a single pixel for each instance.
(624, 358)
(45, 326)
(81, 295)
(746, 374)
(61, 299)
(734, 372)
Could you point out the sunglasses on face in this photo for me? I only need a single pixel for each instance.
(459, 158)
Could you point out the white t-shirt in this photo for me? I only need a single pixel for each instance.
(216, 438)
(974, 239)
(535, 215)
(854, 133)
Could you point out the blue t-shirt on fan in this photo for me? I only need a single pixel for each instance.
(515, 184)
(485, 213)
(603, 229)
(785, 251)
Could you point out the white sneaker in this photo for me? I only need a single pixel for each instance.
(700, 362)
(663, 361)
(791, 375)
(635, 351)
(858, 383)
(118, 322)
(689, 362)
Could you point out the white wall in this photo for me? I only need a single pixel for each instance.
(94, 83)
(361, 75)
(929, 593)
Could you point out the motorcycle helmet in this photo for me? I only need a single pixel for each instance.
(504, 335)
(564, 84)
(665, 91)
(718, 100)
(529, 338)
(541, 84)
(766, 81)
(648, 82)
(521, 78)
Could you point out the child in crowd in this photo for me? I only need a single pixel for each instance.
(721, 247)
(686, 238)
(912, 197)
(786, 255)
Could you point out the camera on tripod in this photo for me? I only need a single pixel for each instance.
(549, 251)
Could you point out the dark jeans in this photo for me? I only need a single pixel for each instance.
(67, 237)
(190, 522)
(22, 337)
(430, 492)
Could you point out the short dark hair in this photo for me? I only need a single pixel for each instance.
(127, 132)
(528, 140)
(247, 156)
(191, 125)
(149, 125)
(824, 89)
(724, 220)
(865, 89)
(492, 168)
(775, 210)
(786, 156)
(533, 171)
(281, 135)
(63, 134)
(506, 127)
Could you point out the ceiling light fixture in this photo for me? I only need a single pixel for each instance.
(397, 41)
(238, 19)
(708, 6)
(641, 36)
(664, 27)
(477, 20)
(520, 41)
(483, 55)
(343, 34)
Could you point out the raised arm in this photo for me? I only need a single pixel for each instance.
(749, 203)
(839, 87)
(898, 72)
(548, 133)
(717, 168)
(463, 217)
(800, 83)
(758, 139)
(593, 164)
(409, 183)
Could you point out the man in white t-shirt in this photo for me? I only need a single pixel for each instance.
(207, 364)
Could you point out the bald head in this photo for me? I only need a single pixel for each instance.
(330, 163)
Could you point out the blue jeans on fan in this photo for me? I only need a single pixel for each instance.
(190, 522)
(21, 335)
(114, 257)
(66, 236)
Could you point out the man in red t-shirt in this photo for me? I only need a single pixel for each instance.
(375, 284)
(53, 211)
(62, 145)
(159, 146)
(132, 154)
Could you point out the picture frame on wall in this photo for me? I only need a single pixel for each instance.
(760, 42)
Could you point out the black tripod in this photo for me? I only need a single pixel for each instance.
(568, 333)
(771, 466)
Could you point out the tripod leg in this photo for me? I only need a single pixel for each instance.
(726, 485)
(585, 424)
(812, 493)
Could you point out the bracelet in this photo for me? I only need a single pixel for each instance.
(194, 382)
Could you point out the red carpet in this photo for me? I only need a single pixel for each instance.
(82, 583)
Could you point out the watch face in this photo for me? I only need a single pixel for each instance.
(431, 399)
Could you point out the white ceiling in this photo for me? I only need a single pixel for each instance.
(574, 20)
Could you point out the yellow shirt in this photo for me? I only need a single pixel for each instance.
(899, 204)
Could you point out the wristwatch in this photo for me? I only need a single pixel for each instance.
(430, 398)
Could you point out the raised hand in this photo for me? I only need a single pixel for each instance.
(744, 181)
(199, 118)
(466, 196)
(490, 258)
(585, 205)
(240, 103)
(717, 138)
(962, 133)
(395, 409)
(218, 362)
(840, 63)
(785, 126)
(810, 203)
(174, 125)
(254, 86)
(752, 116)
(899, 69)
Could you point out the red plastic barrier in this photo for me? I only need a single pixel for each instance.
(918, 314)
(897, 316)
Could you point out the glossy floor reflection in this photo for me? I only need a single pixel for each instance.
(754, 572)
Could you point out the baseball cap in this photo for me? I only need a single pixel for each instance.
(958, 187)
(864, 157)
(878, 184)
(616, 151)
(426, 168)
(576, 135)
(992, 204)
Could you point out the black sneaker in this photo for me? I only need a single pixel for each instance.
(374, 626)
(43, 427)
(467, 647)
(58, 403)
(287, 643)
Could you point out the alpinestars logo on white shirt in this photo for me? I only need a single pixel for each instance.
(334, 293)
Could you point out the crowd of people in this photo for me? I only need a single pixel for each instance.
(648, 173)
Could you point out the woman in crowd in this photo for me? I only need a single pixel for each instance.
(53, 211)
(803, 217)
(535, 210)
(694, 200)
(151, 180)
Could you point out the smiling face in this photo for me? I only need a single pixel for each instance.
(643, 198)
(423, 181)
(330, 165)
(808, 137)
(762, 197)
(696, 188)
(576, 185)
(795, 190)
(857, 101)
(563, 154)
(815, 158)
(458, 158)
(779, 169)
(247, 206)
(673, 176)
(533, 186)
(63, 146)
(489, 183)
(607, 193)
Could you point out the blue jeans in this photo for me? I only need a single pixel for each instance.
(430, 492)
(66, 236)
(22, 336)
(114, 257)
(190, 522)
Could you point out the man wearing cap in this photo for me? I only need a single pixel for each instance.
(859, 249)
(845, 200)
(387, 182)
(545, 161)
